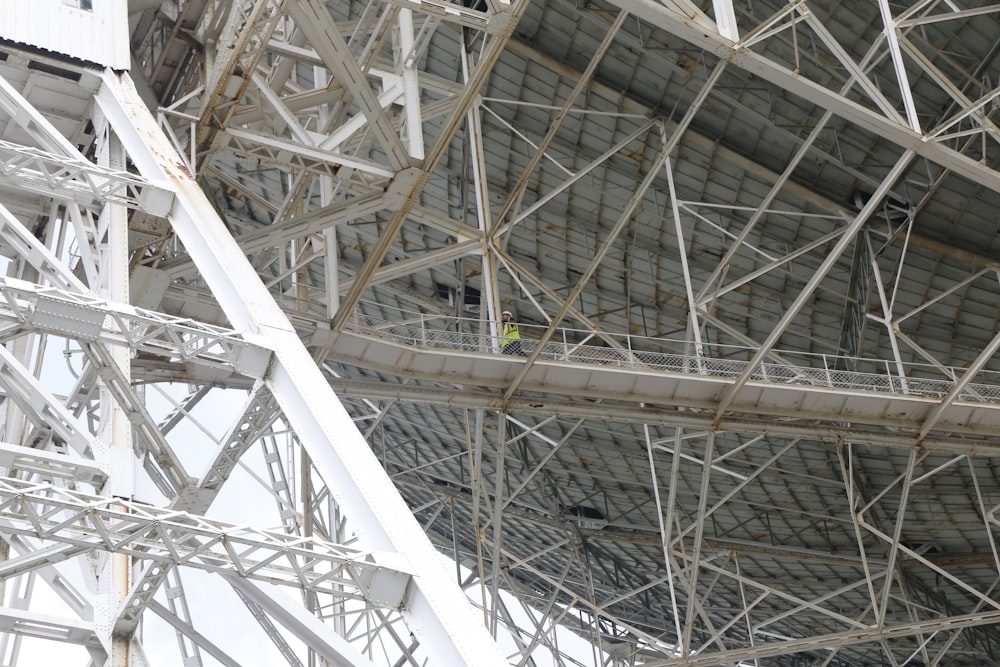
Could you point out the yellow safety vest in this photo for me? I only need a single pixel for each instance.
(510, 333)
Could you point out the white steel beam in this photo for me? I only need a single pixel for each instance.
(248, 27)
(435, 607)
(178, 608)
(954, 14)
(44, 626)
(258, 414)
(198, 639)
(725, 19)
(856, 70)
(663, 155)
(270, 629)
(43, 409)
(34, 123)
(77, 180)
(162, 535)
(50, 465)
(417, 178)
(288, 118)
(693, 324)
(670, 18)
(315, 21)
(336, 139)
(337, 213)
(806, 293)
(60, 583)
(160, 460)
(38, 557)
(318, 636)
(278, 151)
(892, 39)
(88, 318)
(474, 151)
(411, 89)
(15, 236)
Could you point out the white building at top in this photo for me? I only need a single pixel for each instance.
(94, 31)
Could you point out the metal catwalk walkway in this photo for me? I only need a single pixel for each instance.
(919, 405)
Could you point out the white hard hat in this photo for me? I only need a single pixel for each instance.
(506, 312)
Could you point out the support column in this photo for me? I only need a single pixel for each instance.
(114, 579)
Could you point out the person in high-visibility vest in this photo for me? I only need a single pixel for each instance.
(511, 335)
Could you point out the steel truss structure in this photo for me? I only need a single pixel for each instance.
(251, 340)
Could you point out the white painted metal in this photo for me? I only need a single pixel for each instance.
(484, 218)
(761, 66)
(45, 626)
(49, 465)
(806, 293)
(435, 605)
(866, 398)
(725, 19)
(898, 64)
(773, 506)
(329, 646)
(87, 30)
(189, 640)
(92, 318)
(82, 182)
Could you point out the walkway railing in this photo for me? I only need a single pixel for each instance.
(436, 332)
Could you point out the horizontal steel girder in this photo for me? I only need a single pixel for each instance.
(80, 181)
(121, 526)
(84, 317)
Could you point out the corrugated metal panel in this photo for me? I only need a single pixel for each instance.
(97, 34)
